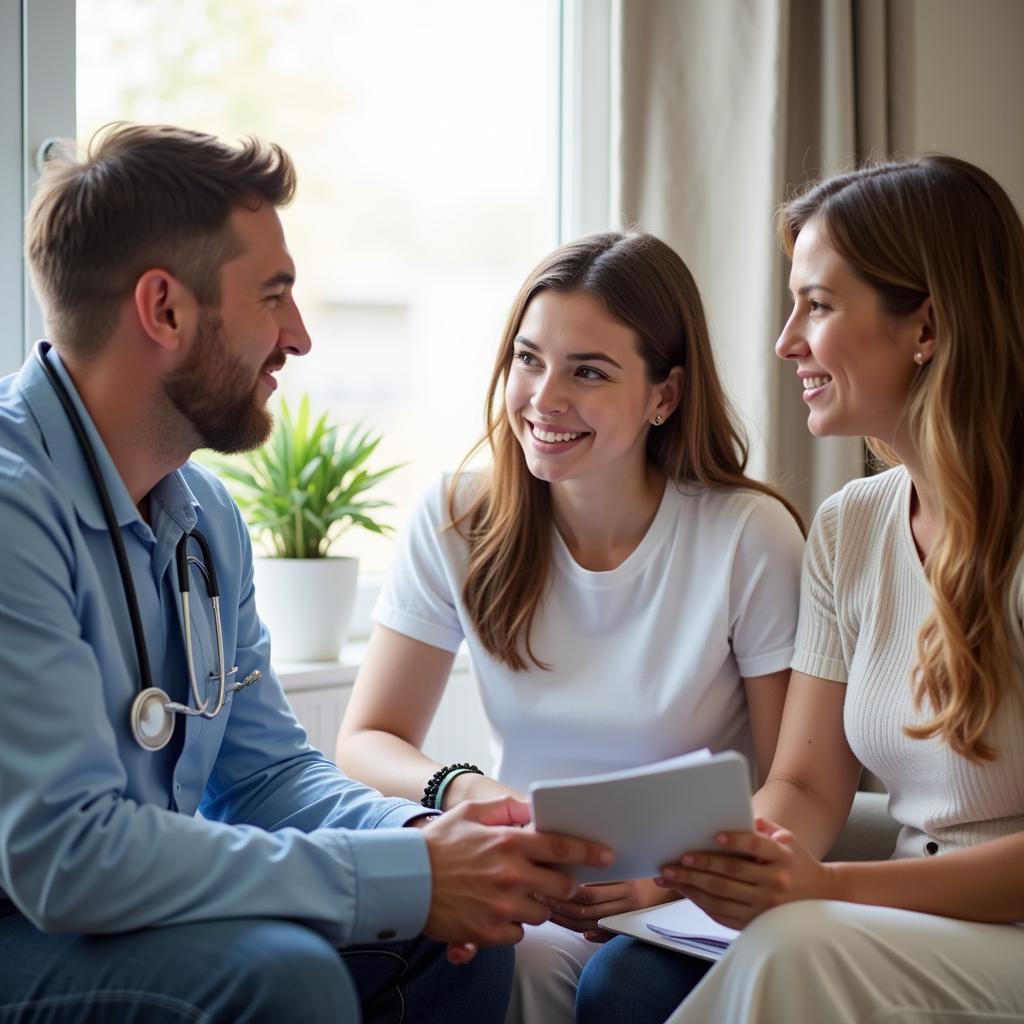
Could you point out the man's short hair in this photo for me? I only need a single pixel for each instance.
(141, 197)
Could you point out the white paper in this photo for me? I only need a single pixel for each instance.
(649, 815)
(685, 920)
(681, 926)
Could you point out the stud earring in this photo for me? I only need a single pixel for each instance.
(919, 358)
(658, 421)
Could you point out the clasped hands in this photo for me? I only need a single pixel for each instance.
(589, 903)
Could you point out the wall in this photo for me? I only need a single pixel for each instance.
(963, 84)
(459, 731)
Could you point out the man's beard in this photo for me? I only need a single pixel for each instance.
(203, 389)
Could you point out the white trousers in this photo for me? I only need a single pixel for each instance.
(549, 961)
(817, 962)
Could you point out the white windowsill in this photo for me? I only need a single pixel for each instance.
(320, 675)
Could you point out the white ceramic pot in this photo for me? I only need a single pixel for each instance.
(306, 604)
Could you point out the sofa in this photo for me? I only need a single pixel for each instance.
(869, 834)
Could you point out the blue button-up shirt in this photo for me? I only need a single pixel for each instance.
(96, 834)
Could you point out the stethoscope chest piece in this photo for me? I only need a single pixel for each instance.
(152, 723)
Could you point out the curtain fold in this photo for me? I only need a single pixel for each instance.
(721, 109)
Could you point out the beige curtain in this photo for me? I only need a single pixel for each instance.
(721, 107)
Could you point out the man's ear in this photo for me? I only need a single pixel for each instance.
(166, 309)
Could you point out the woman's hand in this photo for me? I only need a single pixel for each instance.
(591, 902)
(471, 786)
(754, 872)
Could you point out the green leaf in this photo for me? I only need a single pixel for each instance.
(307, 484)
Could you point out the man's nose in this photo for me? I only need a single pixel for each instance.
(292, 336)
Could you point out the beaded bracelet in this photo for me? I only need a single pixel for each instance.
(439, 799)
(438, 782)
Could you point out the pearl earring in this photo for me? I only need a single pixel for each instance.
(919, 358)
(658, 421)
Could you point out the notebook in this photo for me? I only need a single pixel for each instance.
(649, 815)
(681, 926)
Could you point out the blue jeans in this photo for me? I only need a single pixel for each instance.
(246, 970)
(630, 980)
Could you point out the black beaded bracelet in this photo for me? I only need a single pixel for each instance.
(436, 782)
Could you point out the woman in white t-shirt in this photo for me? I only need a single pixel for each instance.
(626, 592)
(907, 327)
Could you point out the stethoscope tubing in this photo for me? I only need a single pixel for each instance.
(151, 731)
(113, 528)
(213, 589)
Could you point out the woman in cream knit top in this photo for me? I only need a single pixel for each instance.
(863, 601)
(907, 328)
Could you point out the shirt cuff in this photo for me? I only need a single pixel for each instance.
(416, 628)
(402, 813)
(394, 885)
(819, 665)
(764, 664)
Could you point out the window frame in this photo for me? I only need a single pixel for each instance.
(12, 195)
(587, 43)
(37, 86)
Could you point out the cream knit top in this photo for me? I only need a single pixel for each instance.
(863, 598)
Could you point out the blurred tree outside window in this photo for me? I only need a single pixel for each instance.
(423, 135)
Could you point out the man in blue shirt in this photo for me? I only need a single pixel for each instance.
(162, 266)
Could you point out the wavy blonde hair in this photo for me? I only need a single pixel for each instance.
(943, 228)
(507, 523)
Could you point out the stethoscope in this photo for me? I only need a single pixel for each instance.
(152, 711)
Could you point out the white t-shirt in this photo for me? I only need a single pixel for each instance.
(646, 659)
(864, 599)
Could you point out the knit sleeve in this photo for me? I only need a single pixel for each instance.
(819, 649)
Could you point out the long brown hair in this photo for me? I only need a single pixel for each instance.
(941, 227)
(507, 523)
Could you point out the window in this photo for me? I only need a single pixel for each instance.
(423, 136)
(442, 149)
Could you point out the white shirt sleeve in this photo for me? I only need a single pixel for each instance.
(421, 596)
(764, 589)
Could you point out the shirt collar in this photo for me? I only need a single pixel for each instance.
(171, 493)
(172, 497)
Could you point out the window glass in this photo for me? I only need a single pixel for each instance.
(423, 134)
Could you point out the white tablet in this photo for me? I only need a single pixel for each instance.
(649, 815)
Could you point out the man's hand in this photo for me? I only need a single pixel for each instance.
(591, 902)
(490, 875)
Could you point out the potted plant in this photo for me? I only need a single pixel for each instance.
(298, 493)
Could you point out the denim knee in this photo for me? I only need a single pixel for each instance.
(282, 971)
(635, 981)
